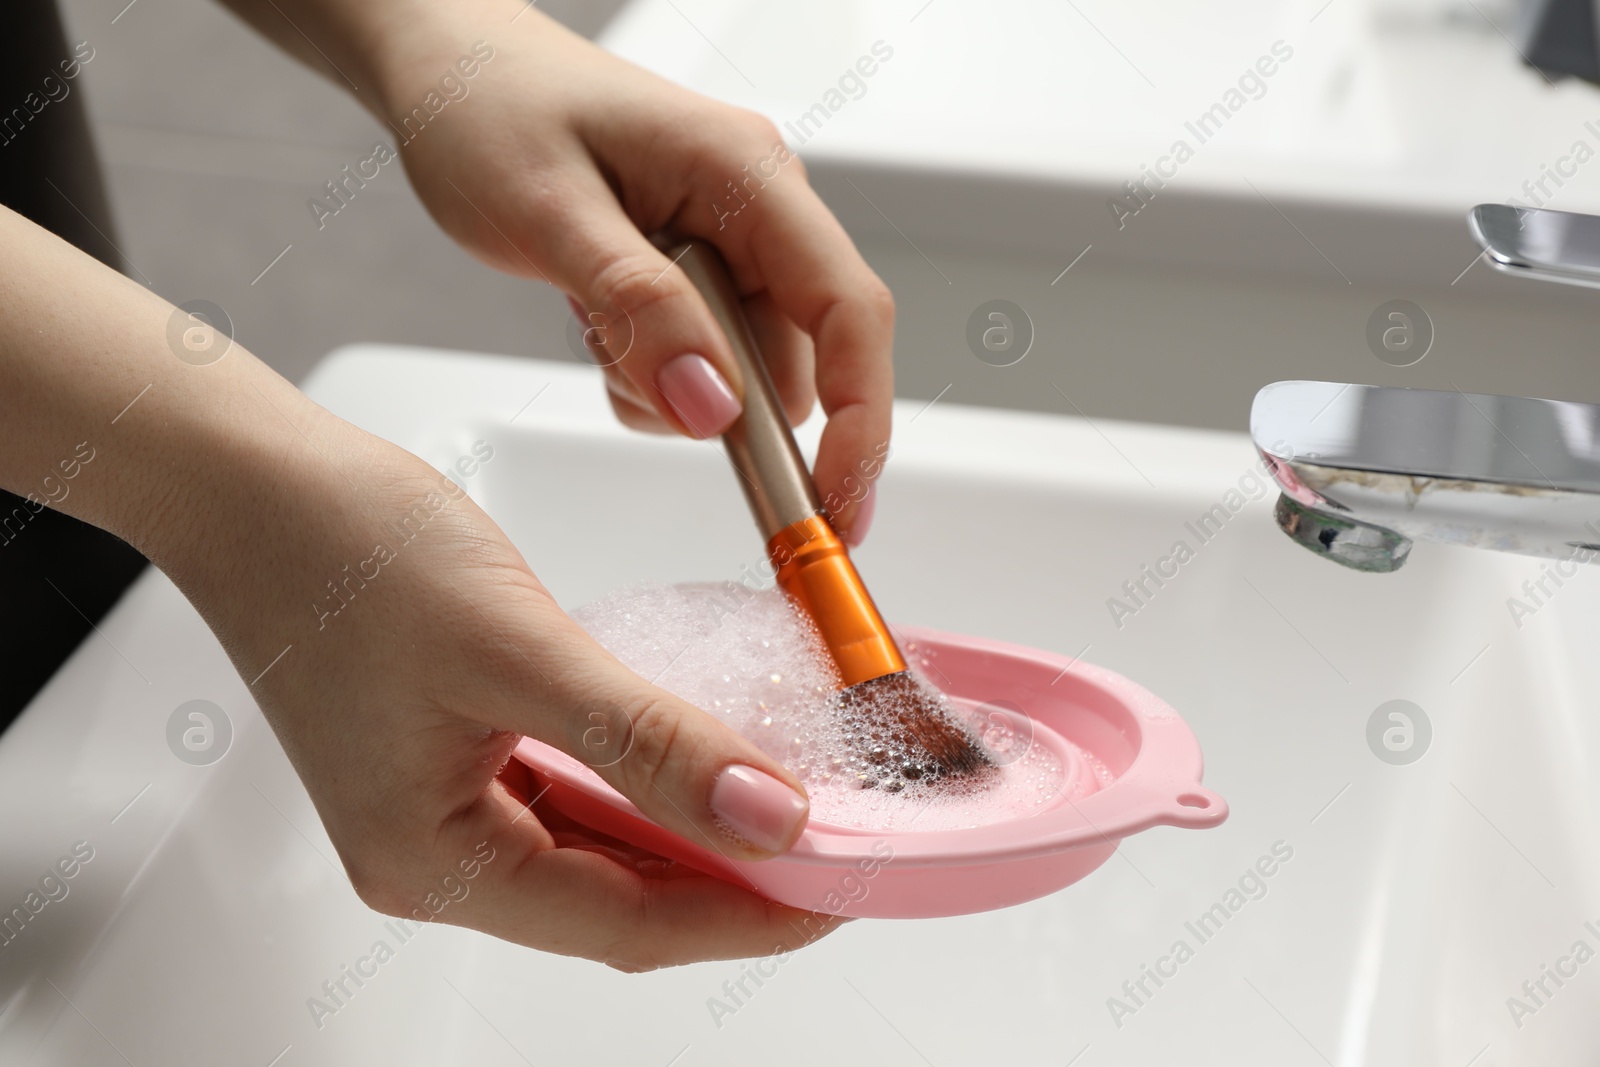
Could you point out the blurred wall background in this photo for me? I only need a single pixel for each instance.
(212, 140)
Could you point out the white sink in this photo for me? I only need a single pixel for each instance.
(1417, 898)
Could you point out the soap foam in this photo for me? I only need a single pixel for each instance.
(755, 661)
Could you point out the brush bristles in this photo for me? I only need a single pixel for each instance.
(907, 733)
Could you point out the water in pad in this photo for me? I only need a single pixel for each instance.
(755, 661)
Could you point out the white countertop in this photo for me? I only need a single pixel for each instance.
(1414, 105)
(1389, 120)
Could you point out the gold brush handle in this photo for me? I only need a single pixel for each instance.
(760, 445)
(813, 564)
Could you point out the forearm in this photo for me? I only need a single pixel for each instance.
(385, 51)
(101, 418)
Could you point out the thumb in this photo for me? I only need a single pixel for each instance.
(680, 766)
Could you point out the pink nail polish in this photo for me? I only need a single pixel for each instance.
(863, 520)
(700, 395)
(757, 807)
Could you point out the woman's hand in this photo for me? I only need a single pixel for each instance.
(421, 648)
(553, 160)
(556, 160)
(397, 643)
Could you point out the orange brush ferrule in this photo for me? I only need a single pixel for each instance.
(814, 567)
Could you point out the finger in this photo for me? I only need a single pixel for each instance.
(681, 767)
(633, 410)
(784, 347)
(660, 338)
(786, 351)
(634, 414)
(528, 790)
(815, 276)
(582, 902)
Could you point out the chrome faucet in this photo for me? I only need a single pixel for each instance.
(1367, 470)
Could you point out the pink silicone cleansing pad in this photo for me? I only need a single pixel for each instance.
(1149, 775)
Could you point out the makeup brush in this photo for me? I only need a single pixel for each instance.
(900, 728)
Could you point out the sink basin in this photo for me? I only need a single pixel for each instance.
(1382, 887)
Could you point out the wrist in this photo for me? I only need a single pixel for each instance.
(213, 463)
(268, 509)
(424, 56)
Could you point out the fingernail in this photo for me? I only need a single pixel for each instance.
(863, 519)
(700, 395)
(758, 807)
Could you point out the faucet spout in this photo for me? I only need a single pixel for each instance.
(1367, 470)
(1358, 545)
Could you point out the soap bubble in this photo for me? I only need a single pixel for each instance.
(1005, 729)
(752, 658)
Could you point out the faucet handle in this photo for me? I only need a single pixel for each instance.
(1557, 246)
